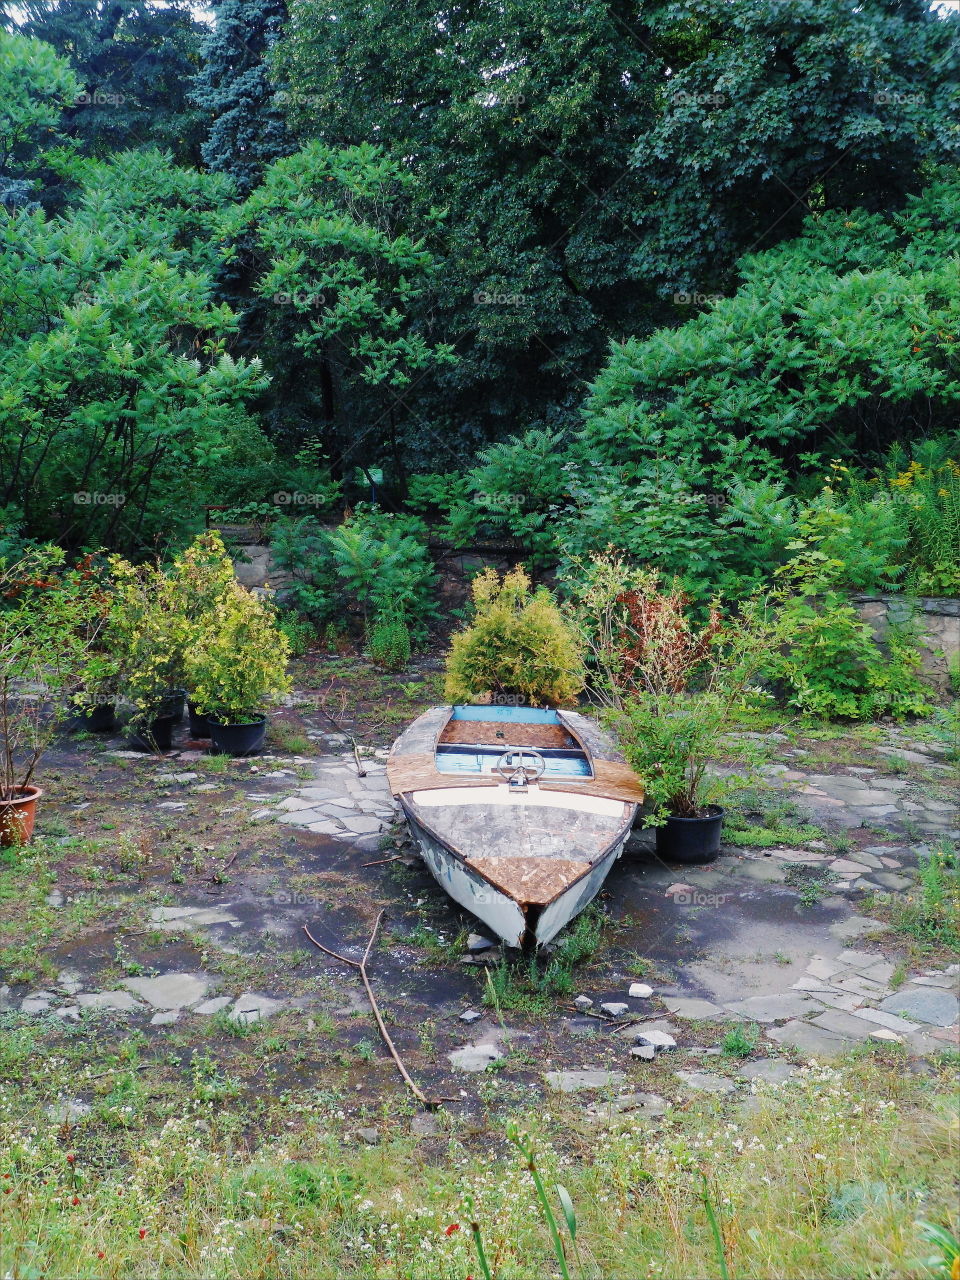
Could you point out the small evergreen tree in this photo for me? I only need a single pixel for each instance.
(247, 129)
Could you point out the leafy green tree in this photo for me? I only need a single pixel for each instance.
(35, 86)
(344, 269)
(118, 399)
(247, 128)
(837, 344)
(772, 110)
(596, 160)
(518, 120)
(135, 61)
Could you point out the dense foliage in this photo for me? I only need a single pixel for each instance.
(603, 165)
(246, 125)
(133, 60)
(119, 398)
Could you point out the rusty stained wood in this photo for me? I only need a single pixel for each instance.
(530, 881)
(492, 733)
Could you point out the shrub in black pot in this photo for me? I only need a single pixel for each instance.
(236, 668)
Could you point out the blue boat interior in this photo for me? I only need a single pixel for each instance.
(510, 715)
(481, 757)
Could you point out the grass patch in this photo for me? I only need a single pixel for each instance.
(756, 825)
(531, 985)
(741, 1040)
(929, 915)
(168, 1185)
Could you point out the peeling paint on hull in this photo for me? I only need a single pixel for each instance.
(498, 910)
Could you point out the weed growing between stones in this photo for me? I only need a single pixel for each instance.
(930, 915)
(530, 984)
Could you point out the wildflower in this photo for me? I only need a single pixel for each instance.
(71, 1158)
(101, 1254)
(143, 1233)
(75, 1200)
(454, 1226)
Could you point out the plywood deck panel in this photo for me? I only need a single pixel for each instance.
(530, 881)
(492, 732)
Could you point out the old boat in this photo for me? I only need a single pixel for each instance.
(520, 812)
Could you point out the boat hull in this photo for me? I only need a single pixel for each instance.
(517, 925)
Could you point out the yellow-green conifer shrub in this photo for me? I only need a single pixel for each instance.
(517, 643)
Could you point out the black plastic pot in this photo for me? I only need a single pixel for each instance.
(157, 736)
(174, 703)
(691, 839)
(199, 725)
(101, 718)
(238, 739)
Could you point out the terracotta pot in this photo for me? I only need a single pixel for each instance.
(17, 817)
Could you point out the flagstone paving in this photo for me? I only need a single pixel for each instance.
(734, 946)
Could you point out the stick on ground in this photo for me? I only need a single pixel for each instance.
(361, 965)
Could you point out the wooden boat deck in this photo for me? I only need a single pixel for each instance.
(412, 764)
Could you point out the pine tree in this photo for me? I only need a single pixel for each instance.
(247, 129)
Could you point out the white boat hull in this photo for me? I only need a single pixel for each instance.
(500, 912)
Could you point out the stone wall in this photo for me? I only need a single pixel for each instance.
(254, 567)
(938, 621)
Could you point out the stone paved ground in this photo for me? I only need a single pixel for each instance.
(776, 940)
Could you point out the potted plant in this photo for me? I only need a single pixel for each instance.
(518, 648)
(236, 668)
(47, 624)
(200, 578)
(674, 689)
(146, 634)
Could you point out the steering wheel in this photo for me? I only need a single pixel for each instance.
(511, 765)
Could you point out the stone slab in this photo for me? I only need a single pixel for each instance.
(773, 1008)
(925, 1004)
(578, 1081)
(474, 1057)
(692, 1008)
(817, 1042)
(170, 990)
(705, 1081)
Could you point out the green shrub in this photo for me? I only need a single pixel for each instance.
(929, 490)
(370, 563)
(299, 631)
(833, 668)
(931, 915)
(517, 644)
(388, 640)
(853, 543)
